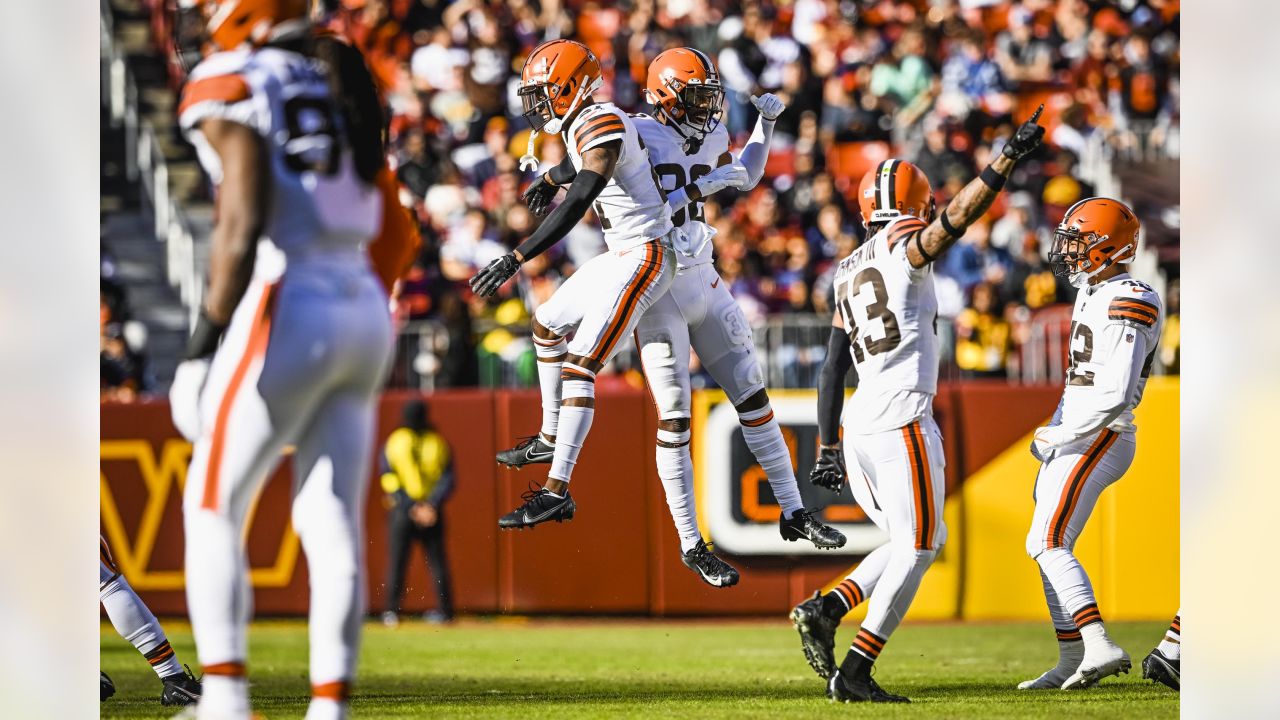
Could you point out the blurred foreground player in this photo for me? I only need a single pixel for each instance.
(293, 338)
(135, 623)
(886, 327)
(1090, 442)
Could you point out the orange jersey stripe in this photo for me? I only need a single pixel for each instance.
(219, 88)
(918, 462)
(1071, 490)
(645, 276)
(903, 229)
(598, 132)
(256, 347)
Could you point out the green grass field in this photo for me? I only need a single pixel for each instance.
(584, 669)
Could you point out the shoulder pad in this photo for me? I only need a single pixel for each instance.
(1139, 309)
(902, 228)
(598, 128)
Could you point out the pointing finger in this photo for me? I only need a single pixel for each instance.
(1036, 115)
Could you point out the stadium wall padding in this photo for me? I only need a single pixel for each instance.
(620, 554)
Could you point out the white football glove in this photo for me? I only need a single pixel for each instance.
(733, 175)
(184, 396)
(769, 105)
(1045, 443)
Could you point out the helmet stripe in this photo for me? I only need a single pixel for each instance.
(706, 62)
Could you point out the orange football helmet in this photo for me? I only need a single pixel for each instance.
(557, 77)
(1095, 234)
(204, 26)
(895, 188)
(684, 88)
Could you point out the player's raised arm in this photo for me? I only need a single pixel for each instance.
(829, 470)
(971, 202)
(755, 153)
(597, 167)
(242, 203)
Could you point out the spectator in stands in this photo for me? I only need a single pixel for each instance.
(937, 159)
(982, 335)
(1024, 58)
(1171, 336)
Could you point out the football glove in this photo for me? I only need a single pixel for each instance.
(1026, 139)
(769, 106)
(829, 471)
(486, 282)
(539, 195)
(184, 396)
(733, 175)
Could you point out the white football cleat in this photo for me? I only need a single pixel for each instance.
(1111, 659)
(1051, 680)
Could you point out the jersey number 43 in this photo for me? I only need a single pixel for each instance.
(877, 308)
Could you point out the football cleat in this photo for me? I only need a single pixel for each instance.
(528, 451)
(804, 525)
(817, 635)
(106, 688)
(713, 571)
(1157, 667)
(181, 688)
(539, 506)
(843, 689)
(1098, 664)
(1051, 680)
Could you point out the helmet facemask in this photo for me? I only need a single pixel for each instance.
(190, 34)
(537, 105)
(697, 110)
(1079, 257)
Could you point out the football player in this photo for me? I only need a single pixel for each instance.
(1090, 441)
(1163, 664)
(133, 620)
(293, 338)
(885, 326)
(606, 165)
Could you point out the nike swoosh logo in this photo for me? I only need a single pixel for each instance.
(534, 518)
(717, 282)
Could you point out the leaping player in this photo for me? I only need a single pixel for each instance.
(606, 164)
(884, 325)
(1090, 442)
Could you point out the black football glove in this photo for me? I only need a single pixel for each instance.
(1026, 139)
(828, 472)
(539, 195)
(487, 281)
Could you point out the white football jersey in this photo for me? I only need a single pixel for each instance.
(632, 209)
(676, 169)
(1115, 328)
(890, 313)
(318, 201)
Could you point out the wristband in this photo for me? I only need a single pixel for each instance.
(952, 230)
(992, 179)
(204, 338)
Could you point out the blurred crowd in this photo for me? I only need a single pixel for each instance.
(940, 82)
(124, 373)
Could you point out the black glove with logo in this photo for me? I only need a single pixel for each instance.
(828, 472)
(1026, 139)
(539, 195)
(486, 282)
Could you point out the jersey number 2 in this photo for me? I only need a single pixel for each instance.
(877, 309)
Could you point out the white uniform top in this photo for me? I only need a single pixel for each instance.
(319, 204)
(1114, 331)
(676, 169)
(631, 208)
(890, 313)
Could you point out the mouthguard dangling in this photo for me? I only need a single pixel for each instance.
(529, 161)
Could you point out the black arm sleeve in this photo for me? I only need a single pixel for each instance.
(831, 386)
(564, 173)
(584, 190)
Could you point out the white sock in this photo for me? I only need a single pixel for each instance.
(1171, 645)
(223, 696)
(897, 588)
(551, 354)
(1061, 618)
(1070, 653)
(764, 437)
(1094, 635)
(1070, 584)
(328, 701)
(575, 421)
(867, 574)
(135, 623)
(675, 470)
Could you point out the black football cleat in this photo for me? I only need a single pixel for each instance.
(1155, 666)
(180, 688)
(539, 506)
(528, 451)
(817, 635)
(803, 525)
(106, 688)
(713, 571)
(865, 689)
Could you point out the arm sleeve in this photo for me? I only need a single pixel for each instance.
(831, 386)
(756, 152)
(585, 189)
(1085, 410)
(564, 173)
